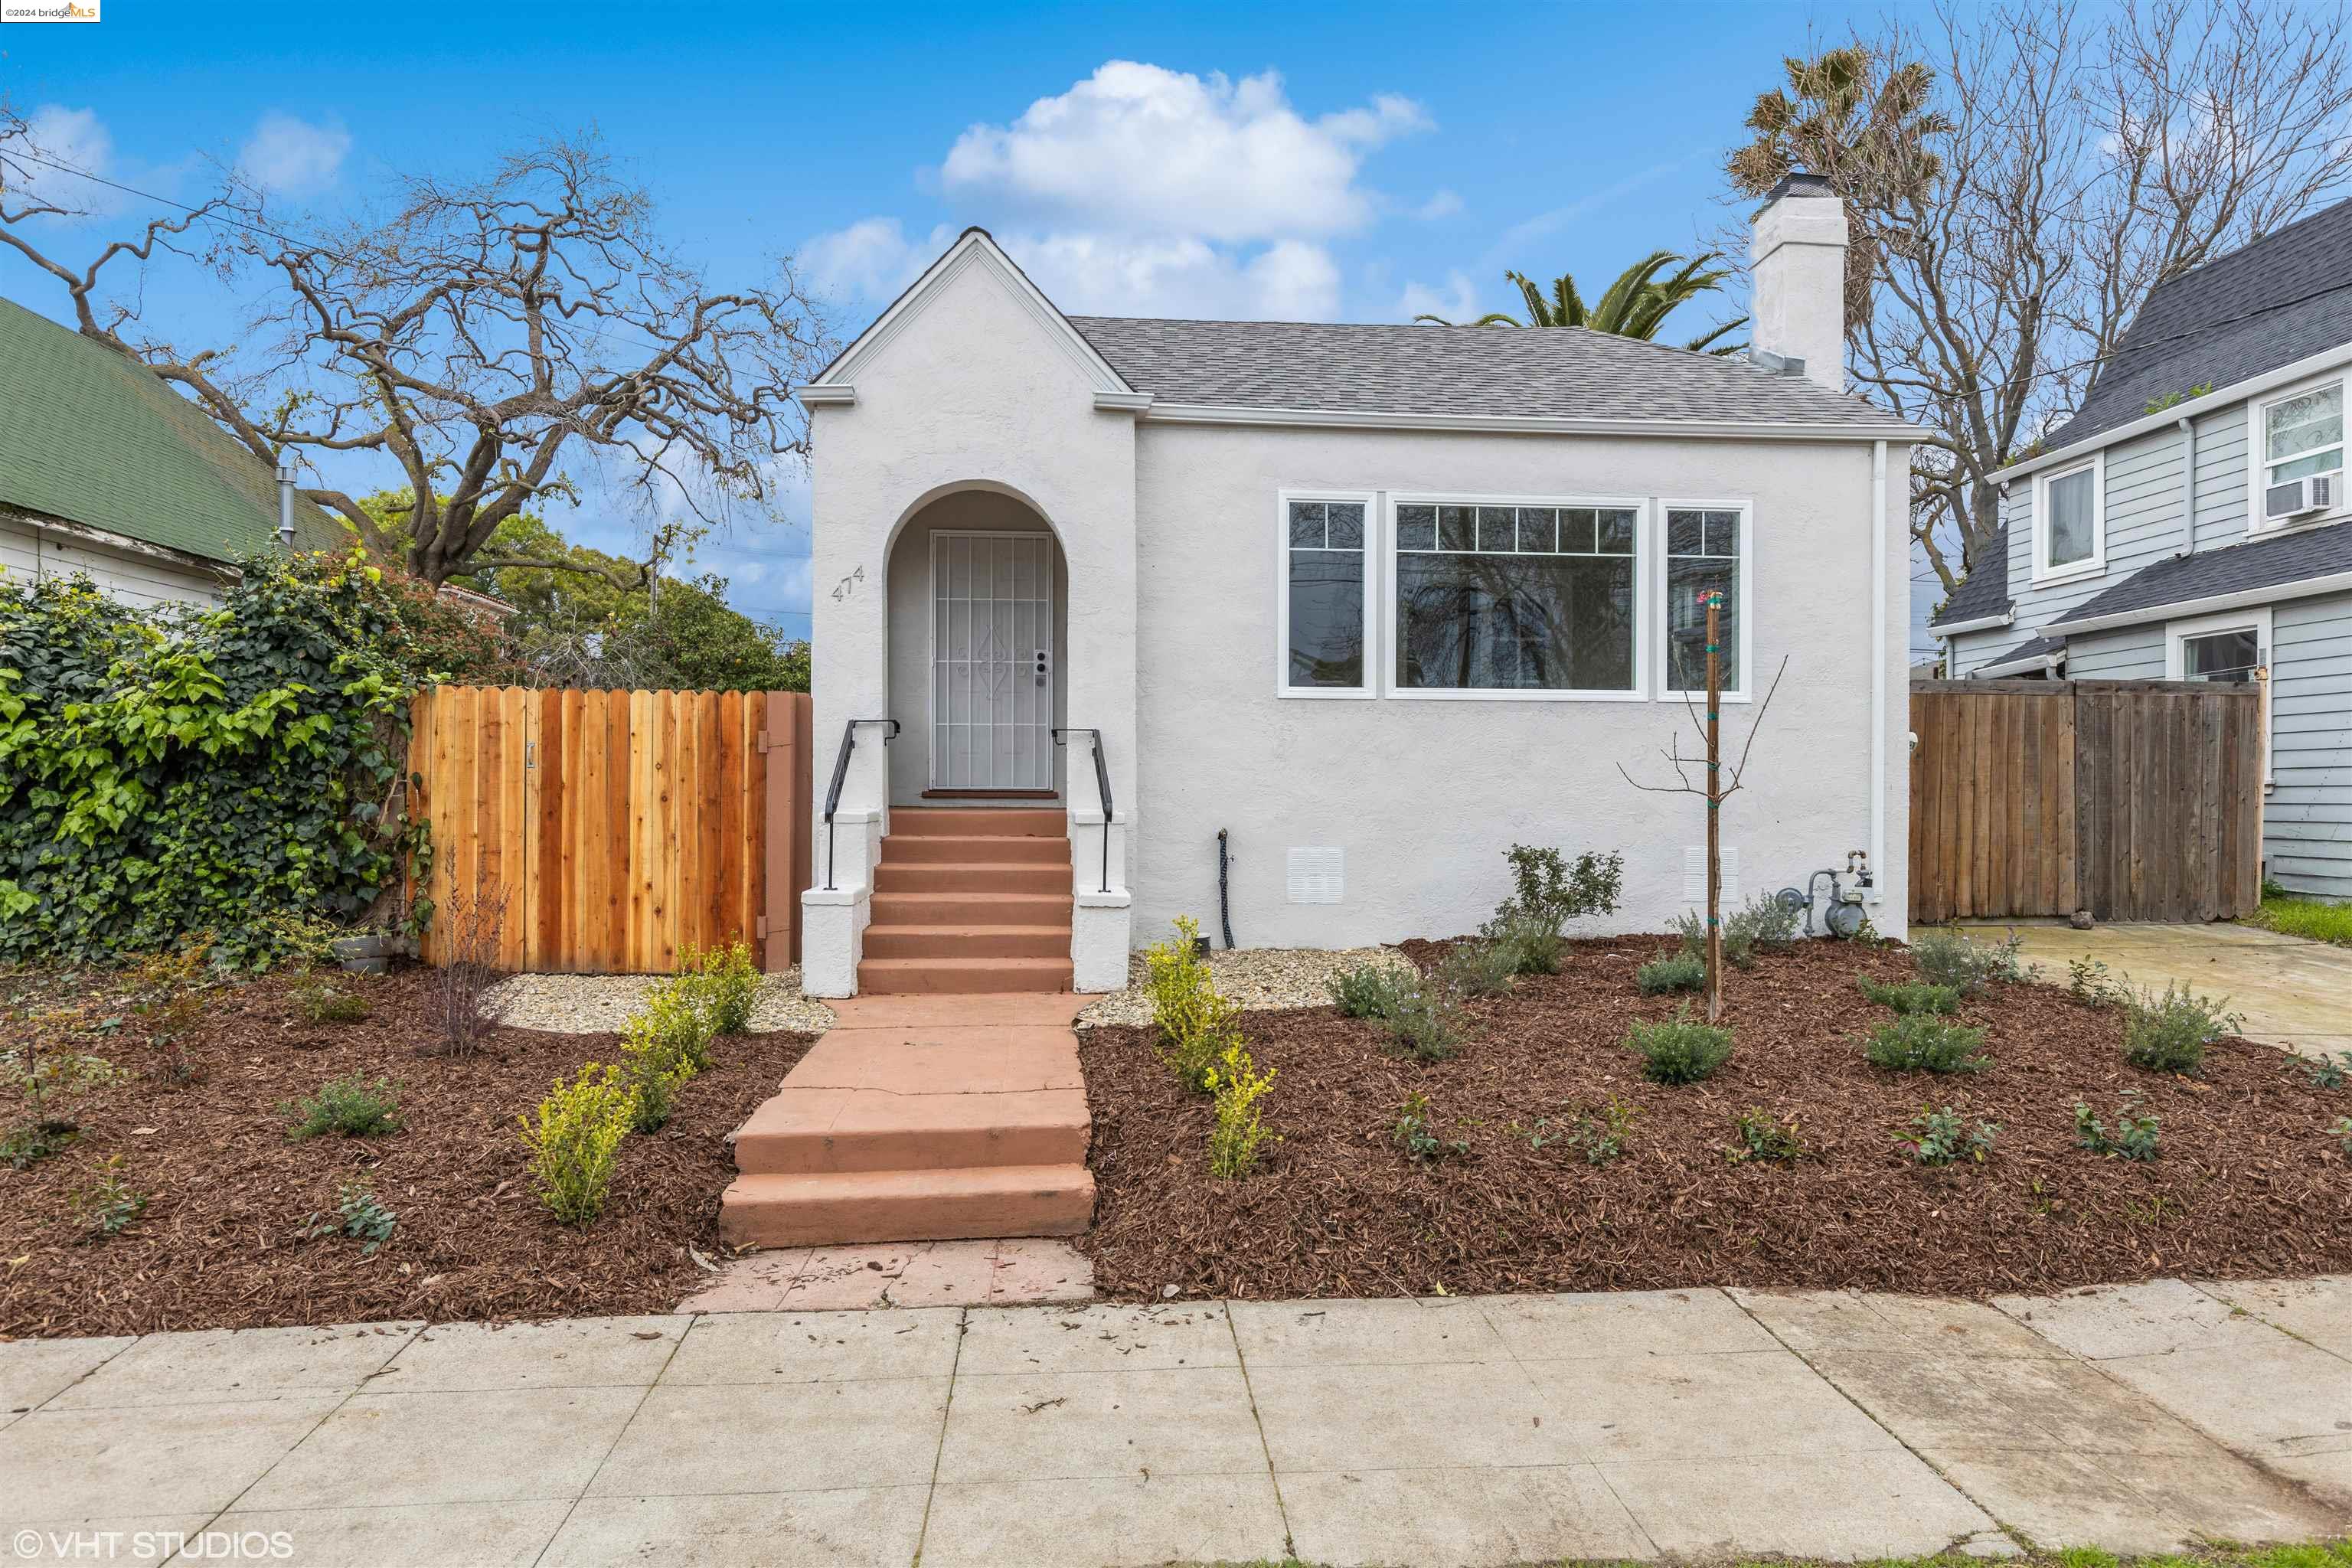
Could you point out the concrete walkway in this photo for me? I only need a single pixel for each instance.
(1700, 1424)
(2296, 993)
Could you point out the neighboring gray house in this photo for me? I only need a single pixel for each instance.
(2190, 523)
(1362, 604)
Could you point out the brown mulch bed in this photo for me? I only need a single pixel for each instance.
(2250, 1180)
(218, 1246)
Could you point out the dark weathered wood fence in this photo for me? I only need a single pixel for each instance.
(622, 826)
(2137, 800)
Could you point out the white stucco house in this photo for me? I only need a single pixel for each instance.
(1365, 605)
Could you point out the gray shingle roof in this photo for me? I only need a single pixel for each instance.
(2031, 647)
(1547, 372)
(2283, 297)
(1984, 591)
(2241, 568)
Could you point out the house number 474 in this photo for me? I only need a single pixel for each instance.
(848, 586)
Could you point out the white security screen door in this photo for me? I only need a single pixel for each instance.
(992, 661)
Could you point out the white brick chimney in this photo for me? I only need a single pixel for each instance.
(1798, 303)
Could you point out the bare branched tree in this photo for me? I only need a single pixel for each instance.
(477, 337)
(2020, 176)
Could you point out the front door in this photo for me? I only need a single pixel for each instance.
(992, 661)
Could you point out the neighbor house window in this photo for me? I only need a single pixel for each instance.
(1703, 546)
(2072, 532)
(2303, 436)
(1324, 596)
(2233, 648)
(1502, 599)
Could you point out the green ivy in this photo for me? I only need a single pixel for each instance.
(169, 770)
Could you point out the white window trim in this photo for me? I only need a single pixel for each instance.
(1644, 557)
(2093, 565)
(1745, 621)
(2256, 618)
(2257, 467)
(1370, 501)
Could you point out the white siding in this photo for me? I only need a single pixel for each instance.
(30, 555)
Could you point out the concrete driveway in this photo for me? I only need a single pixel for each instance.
(2296, 993)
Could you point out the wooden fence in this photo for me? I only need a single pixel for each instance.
(621, 826)
(2137, 800)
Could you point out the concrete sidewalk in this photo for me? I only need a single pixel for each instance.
(2296, 993)
(1484, 1430)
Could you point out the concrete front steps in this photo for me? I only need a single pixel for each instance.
(970, 900)
(921, 1119)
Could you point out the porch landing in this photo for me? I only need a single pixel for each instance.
(921, 1119)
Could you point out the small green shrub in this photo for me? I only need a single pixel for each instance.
(2090, 984)
(1762, 924)
(1763, 1137)
(1671, 972)
(358, 1215)
(1949, 958)
(1426, 1024)
(1922, 1042)
(1239, 1133)
(27, 1146)
(1197, 1025)
(1549, 891)
(108, 1206)
(2325, 1072)
(1473, 969)
(674, 1013)
(2342, 1130)
(1601, 1138)
(1417, 1134)
(1913, 996)
(350, 1105)
(1369, 990)
(2134, 1137)
(1679, 1050)
(723, 982)
(1941, 1137)
(1532, 947)
(2169, 1033)
(663, 1045)
(320, 1002)
(576, 1139)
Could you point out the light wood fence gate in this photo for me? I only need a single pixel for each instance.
(2137, 800)
(621, 826)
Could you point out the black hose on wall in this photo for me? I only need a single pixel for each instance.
(1225, 907)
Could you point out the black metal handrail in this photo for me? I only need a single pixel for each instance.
(841, 772)
(1102, 783)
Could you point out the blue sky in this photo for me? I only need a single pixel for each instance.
(1352, 163)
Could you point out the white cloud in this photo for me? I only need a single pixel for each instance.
(75, 137)
(286, 156)
(1444, 204)
(1457, 302)
(1138, 147)
(1178, 274)
(872, 260)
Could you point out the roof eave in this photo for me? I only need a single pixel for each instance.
(2211, 604)
(1979, 623)
(1161, 413)
(2236, 392)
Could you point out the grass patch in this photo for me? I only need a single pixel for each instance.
(2295, 916)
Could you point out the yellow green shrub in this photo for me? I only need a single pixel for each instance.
(1238, 1086)
(575, 1141)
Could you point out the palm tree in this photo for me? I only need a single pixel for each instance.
(1635, 306)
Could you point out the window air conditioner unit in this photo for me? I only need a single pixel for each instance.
(2315, 492)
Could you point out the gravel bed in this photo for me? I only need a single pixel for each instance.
(1254, 978)
(600, 1004)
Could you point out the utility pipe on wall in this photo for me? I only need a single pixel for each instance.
(285, 506)
(2187, 486)
(1879, 872)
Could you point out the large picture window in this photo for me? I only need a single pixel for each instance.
(1512, 598)
(1703, 546)
(1325, 551)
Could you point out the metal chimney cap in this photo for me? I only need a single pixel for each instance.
(1798, 183)
(285, 471)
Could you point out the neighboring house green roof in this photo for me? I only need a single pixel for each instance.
(92, 437)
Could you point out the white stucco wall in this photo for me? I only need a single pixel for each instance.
(1423, 796)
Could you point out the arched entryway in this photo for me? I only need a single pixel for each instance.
(979, 629)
